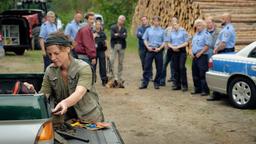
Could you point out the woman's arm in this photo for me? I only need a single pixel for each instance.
(77, 95)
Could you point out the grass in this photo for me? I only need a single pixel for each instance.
(32, 61)
(132, 44)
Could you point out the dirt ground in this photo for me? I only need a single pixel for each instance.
(162, 116)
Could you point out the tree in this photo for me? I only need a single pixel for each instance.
(6, 4)
(111, 9)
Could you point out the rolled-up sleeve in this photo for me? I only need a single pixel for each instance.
(43, 32)
(85, 77)
(46, 86)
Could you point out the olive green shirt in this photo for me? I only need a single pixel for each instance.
(79, 74)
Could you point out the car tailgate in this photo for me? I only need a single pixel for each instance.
(20, 131)
(104, 136)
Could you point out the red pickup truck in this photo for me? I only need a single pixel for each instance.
(16, 28)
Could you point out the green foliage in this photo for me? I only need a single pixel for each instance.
(6, 4)
(111, 9)
(66, 9)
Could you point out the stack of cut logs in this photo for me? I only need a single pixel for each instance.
(243, 14)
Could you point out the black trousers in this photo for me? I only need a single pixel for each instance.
(142, 54)
(47, 61)
(199, 69)
(158, 57)
(166, 61)
(180, 71)
(101, 59)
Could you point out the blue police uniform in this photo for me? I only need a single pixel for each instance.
(155, 38)
(142, 49)
(166, 60)
(227, 35)
(46, 29)
(177, 38)
(72, 29)
(200, 65)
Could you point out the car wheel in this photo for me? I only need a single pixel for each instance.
(242, 93)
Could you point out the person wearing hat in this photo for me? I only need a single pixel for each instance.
(69, 82)
(47, 28)
(154, 42)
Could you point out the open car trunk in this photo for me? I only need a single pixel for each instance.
(23, 112)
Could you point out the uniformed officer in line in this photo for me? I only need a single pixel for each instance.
(177, 43)
(213, 31)
(154, 42)
(227, 36)
(142, 49)
(167, 56)
(47, 28)
(73, 27)
(199, 53)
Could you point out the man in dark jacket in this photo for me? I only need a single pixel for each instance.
(142, 49)
(101, 46)
(118, 45)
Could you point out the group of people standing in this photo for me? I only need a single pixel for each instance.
(89, 42)
(171, 46)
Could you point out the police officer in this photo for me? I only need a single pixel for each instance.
(154, 42)
(167, 54)
(142, 49)
(227, 36)
(224, 43)
(178, 42)
(199, 53)
(73, 27)
(47, 28)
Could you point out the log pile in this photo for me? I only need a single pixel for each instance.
(243, 14)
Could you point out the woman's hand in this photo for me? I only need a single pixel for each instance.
(30, 86)
(61, 108)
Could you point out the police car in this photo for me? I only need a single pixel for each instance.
(234, 74)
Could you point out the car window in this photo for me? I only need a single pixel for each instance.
(253, 53)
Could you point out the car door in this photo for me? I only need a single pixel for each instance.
(251, 66)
